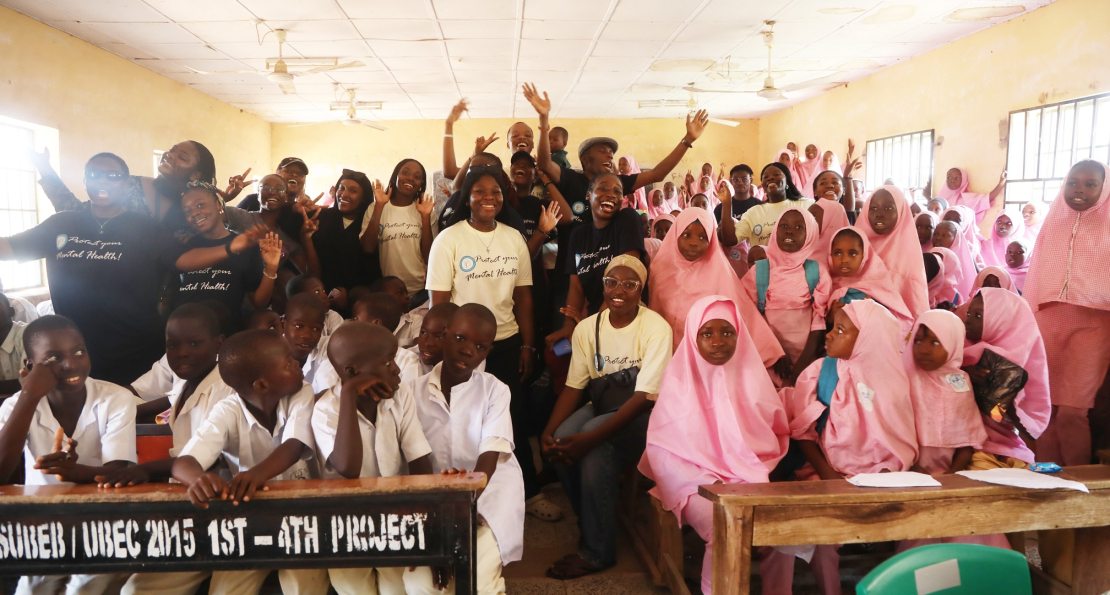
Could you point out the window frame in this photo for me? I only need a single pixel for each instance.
(924, 176)
(42, 137)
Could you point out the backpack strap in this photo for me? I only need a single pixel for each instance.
(762, 280)
(813, 274)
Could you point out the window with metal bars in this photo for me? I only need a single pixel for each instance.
(906, 158)
(19, 205)
(1045, 141)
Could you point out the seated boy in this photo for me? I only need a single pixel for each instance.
(366, 426)
(264, 432)
(302, 325)
(465, 416)
(306, 283)
(262, 320)
(408, 326)
(433, 333)
(383, 310)
(11, 349)
(57, 400)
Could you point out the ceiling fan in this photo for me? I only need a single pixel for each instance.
(352, 108)
(280, 73)
(691, 107)
(769, 91)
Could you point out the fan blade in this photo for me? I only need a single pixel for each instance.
(229, 71)
(825, 80)
(287, 88)
(373, 124)
(320, 69)
(697, 90)
(728, 123)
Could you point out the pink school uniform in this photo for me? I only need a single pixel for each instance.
(833, 219)
(873, 280)
(900, 250)
(944, 287)
(994, 247)
(1020, 273)
(977, 202)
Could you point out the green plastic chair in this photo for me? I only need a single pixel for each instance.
(950, 569)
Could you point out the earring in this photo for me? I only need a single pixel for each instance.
(221, 212)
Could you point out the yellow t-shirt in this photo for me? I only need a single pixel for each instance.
(646, 343)
(757, 222)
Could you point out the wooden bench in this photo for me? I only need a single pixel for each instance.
(836, 512)
(420, 520)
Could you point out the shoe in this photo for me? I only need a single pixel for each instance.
(542, 508)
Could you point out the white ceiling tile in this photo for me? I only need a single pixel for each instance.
(229, 32)
(397, 29)
(479, 47)
(482, 77)
(939, 32)
(876, 33)
(239, 79)
(39, 10)
(505, 87)
(384, 9)
(731, 11)
(394, 49)
(246, 91)
(322, 30)
(110, 11)
(482, 63)
(479, 29)
(610, 64)
(625, 49)
(126, 51)
(190, 78)
(617, 79)
(753, 47)
(294, 10)
(201, 10)
(359, 77)
(422, 87)
(660, 11)
(639, 31)
(332, 49)
(436, 63)
(248, 50)
(559, 29)
(140, 33)
(474, 9)
(832, 52)
(697, 49)
(553, 48)
(565, 10)
(555, 63)
(545, 77)
(453, 98)
(180, 51)
(434, 76)
(825, 11)
(898, 50)
(714, 32)
(162, 66)
(209, 65)
(85, 32)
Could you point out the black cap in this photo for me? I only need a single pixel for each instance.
(523, 155)
(293, 161)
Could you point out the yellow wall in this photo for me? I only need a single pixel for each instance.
(327, 148)
(101, 102)
(963, 90)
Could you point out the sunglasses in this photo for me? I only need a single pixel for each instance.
(111, 176)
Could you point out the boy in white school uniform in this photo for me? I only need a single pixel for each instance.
(381, 309)
(465, 416)
(59, 400)
(302, 327)
(366, 426)
(408, 327)
(11, 349)
(263, 432)
(306, 283)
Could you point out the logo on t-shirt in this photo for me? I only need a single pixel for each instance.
(735, 255)
(758, 230)
(447, 212)
(577, 260)
(467, 264)
(61, 240)
(578, 208)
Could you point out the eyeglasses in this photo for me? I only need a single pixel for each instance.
(110, 175)
(611, 283)
(278, 190)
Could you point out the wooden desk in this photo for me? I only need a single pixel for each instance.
(416, 520)
(834, 512)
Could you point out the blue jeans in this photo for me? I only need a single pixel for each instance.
(591, 483)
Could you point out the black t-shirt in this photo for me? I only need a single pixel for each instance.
(227, 282)
(107, 280)
(591, 249)
(739, 207)
(574, 186)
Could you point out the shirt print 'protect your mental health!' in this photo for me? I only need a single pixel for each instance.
(75, 247)
(488, 267)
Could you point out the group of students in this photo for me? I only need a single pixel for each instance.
(716, 330)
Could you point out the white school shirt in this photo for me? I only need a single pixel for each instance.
(105, 430)
(424, 369)
(332, 320)
(399, 245)
(483, 268)
(408, 329)
(476, 421)
(211, 390)
(156, 383)
(23, 310)
(317, 369)
(387, 446)
(231, 430)
(410, 366)
(11, 352)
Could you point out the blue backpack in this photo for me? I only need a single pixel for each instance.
(763, 278)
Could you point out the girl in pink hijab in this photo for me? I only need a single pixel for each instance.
(887, 223)
(660, 226)
(638, 199)
(948, 235)
(926, 224)
(812, 165)
(955, 191)
(714, 388)
(691, 265)
(658, 205)
(1008, 226)
(704, 183)
(858, 273)
(795, 314)
(1033, 214)
(851, 411)
(995, 277)
(962, 216)
(1018, 254)
(790, 160)
(1069, 291)
(944, 279)
(828, 187)
(1001, 321)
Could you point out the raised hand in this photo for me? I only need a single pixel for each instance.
(549, 217)
(311, 224)
(724, 191)
(695, 124)
(457, 112)
(689, 179)
(249, 238)
(236, 184)
(41, 160)
(425, 205)
(270, 245)
(481, 143)
(381, 195)
(851, 148)
(541, 104)
(305, 205)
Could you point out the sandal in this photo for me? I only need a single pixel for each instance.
(572, 566)
(542, 508)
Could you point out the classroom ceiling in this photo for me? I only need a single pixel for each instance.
(595, 58)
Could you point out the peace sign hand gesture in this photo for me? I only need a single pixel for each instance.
(236, 184)
(481, 144)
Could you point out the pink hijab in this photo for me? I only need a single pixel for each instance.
(788, 289)
(797, 173)
(1069, 260)
(932, 217)
(1010, 330)
(679, 283)
(977, 203)
(1032, 231)
(713, 423)
(944, 406)
(1003, 279)
(900, 250)
(652, 244)
(665, 208)
(870, 425)
(810, 168)
(872, 278)
(833, 219)
(1019, 274)
(994, 247)
(966, 260)
(638, 199)
(943, 287)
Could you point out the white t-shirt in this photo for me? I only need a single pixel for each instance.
(399, 245)
(646, 343)
(409, 363)
(408, 329)
(156, 383)
(757, 222)
(186, 422)
(105, 430)
(481, 267)
(387, 446)
(11, 352)
(231, 430)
